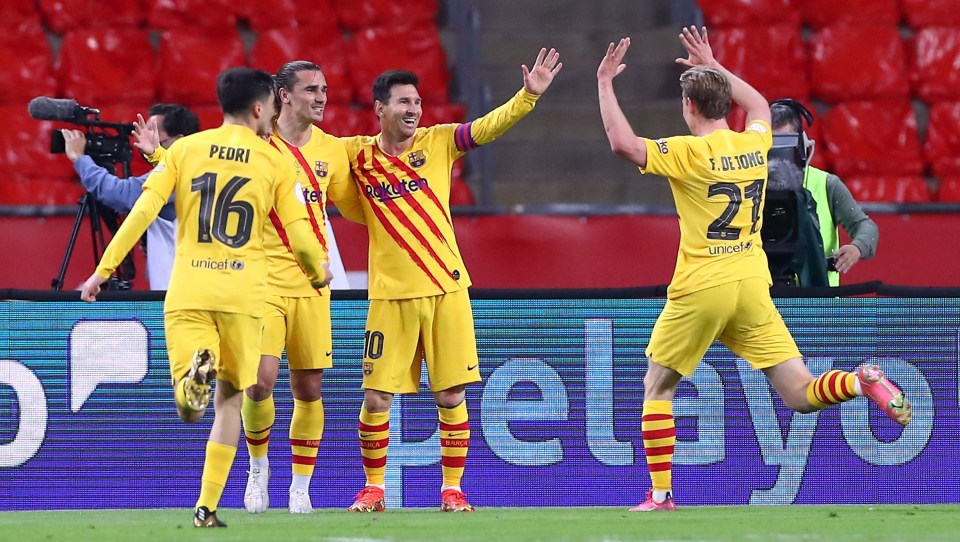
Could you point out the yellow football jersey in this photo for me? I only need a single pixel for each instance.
(406, 203)
(718, 183)
(226, 181)
(321, 166)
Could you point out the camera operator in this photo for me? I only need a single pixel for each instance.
(800, 261)
(169, 122)
(834, 203)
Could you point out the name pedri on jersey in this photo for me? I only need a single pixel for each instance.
(225, 181)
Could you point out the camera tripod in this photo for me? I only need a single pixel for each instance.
(97, 214)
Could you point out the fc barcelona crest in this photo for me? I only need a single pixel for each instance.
(320, 168)
(367, 368)
(416, 159)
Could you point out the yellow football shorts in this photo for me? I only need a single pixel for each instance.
(402, 332)
(302, 324)
(741, 314)
(233, 338)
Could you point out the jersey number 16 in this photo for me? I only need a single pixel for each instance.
(215, 209)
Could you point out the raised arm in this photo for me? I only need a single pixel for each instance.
(536, 81)
(623, 141)
(700, 53)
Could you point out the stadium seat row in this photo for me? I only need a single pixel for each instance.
(867, 72)
(62, 16)
(881, 137)
(122, 57)
(844, 62)
(821, 13)
(104, 65)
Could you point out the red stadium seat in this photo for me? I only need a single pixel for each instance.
(460, 192)
(260, 17)
(28, 71)
(749, 12)
(821, 13)
(867, 137)
(920, 13)
(887, 188)
(355, 15)
(190, 62)
(28, 190)
(934, 61)
(211, 116)
(13, 14)
(416, 49)
(101, 65)
(737, 118)
(942, 146)
(62, 16)
(771, 58)
(314, 13)
(25, 145)
(949, 190)
(442, 114)
(325, 47)
(343, 121)
(217, 16)
(840, 71)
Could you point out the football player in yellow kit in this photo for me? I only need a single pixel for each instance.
(226, 181)
(721, 286)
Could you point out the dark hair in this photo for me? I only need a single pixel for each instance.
(789, 113)
(287, 74)
(389, 79)
(177, 119)
(239, 88)
(709, 90)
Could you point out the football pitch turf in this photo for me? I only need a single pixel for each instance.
(713, 523)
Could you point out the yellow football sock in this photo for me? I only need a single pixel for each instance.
(374, 441)
(216, 468)
(258, 418)
(832, 387)
(659, 438)
(306, 430)
(454, 442)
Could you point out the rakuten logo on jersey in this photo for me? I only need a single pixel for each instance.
(307, 195)
(387, 192)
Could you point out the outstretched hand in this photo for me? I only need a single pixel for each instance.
(545, 68)
(146, 135)
(698, 47)
(611, 65)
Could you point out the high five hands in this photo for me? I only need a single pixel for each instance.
(698, 47)
(545, 68)
(611, 65)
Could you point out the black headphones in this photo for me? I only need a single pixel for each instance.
(805, 146)
(800, 109)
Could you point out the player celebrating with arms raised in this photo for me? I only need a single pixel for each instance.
(226, 181)
(721, 286)
(419, 306)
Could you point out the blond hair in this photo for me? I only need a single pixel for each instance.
(709, 90)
